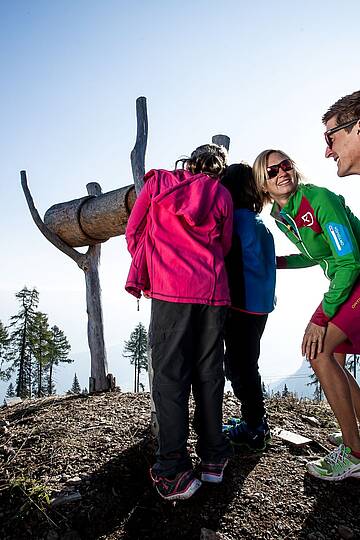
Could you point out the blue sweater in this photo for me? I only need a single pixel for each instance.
(251, 264)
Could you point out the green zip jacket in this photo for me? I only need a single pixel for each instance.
(327, 233)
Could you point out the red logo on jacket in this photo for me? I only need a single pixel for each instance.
(305, 216)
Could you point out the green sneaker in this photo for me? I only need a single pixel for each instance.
(335, 438)
(336, 465)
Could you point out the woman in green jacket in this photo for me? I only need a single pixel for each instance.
(326, 233)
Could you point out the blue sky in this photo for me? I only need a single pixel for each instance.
(261, 72)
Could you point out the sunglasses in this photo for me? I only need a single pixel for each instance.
(273, 170)
(329, 132)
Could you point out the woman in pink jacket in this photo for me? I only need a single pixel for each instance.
(178, 233)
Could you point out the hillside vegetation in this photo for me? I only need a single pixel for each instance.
(76, 467)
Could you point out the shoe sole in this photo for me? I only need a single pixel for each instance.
(189, 492)
(213, 478)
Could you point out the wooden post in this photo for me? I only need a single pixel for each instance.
(138, 168)
(222, 140)
(95, 327)
(137, 155)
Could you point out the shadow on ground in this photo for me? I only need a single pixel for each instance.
(120, 501)
(336, 504)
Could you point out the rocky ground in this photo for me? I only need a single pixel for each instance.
(77, 468)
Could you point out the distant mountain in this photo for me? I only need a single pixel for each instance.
(297, 382)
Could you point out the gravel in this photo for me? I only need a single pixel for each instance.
(76, 467)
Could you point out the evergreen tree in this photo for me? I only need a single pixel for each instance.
(5, 373)
(351, 363)
(136, 349)
(285, 391)
(59, 350)
(264, 391)
(75, 388)
(40, 345)
(318, 390)
(20, 350)
(10, 392)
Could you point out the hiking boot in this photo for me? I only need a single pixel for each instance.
(335, 438)
(336, 465)
(182, 486)
(213, 472)
(240, 434)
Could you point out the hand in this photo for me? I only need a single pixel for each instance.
(146, 295)
(312, 343)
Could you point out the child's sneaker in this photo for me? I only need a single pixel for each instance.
(234, 420)
(213, 472)
(335, 438)
(335, 466)
(256, 439)
(183, 486)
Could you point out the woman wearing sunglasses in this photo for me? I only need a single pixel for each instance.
(326, 233)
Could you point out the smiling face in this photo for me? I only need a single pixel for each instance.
(345, 148)
(282, 186)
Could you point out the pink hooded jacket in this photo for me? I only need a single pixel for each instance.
(178, 233)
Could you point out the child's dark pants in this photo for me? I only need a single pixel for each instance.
(243, 332)
(187, 351)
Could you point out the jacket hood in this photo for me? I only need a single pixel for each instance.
(188, 195)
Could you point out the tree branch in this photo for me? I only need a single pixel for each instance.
(79, 258)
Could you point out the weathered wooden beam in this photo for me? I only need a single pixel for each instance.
(90, 220)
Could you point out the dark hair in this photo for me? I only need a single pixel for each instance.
(239, 180)
(209, 159)
(345, 109)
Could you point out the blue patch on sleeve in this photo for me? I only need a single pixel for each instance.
(340, 238)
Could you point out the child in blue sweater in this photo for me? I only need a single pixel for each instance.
(251, 267)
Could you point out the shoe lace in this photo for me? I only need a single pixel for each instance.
(338, 454)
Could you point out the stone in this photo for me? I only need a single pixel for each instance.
(66, 498)
(311, 420)
(10, 401)
(74, 481)
(345, 532)
(52, 535)
(208, 534)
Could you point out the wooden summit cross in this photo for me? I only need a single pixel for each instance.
(89, 221)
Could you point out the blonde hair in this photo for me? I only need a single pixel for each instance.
(210, 159)
(260, 172)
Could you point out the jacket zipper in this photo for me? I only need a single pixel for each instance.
(297, 234)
